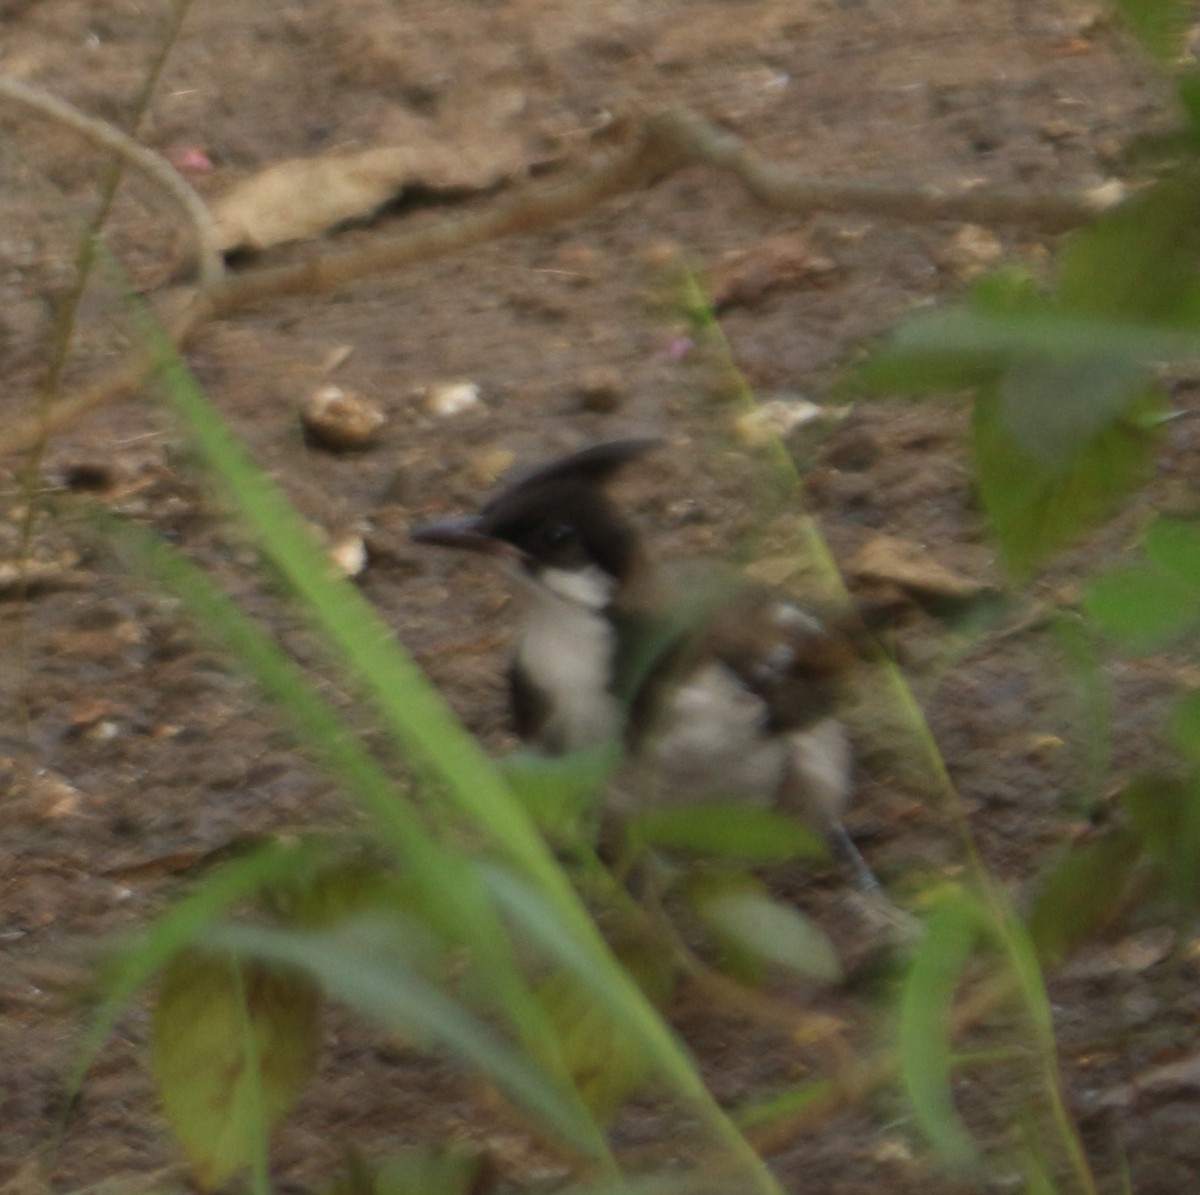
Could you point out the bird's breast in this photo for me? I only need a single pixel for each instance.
(710, 743)
(566, 654)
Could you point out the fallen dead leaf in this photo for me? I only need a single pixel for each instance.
(743, 277)
(1132, 955)
(305, 197)
(904, 563)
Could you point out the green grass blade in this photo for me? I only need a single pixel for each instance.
(397, 997)
(621, 998)
(925, 1054)
(461, 910)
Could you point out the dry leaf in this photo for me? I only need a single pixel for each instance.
(904, 563)
(744, 276)
(304, 197)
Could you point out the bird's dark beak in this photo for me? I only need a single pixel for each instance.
(463, 533)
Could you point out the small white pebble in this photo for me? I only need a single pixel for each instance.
(350, 555)
(451, 398)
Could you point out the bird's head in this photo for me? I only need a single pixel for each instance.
(558, 525)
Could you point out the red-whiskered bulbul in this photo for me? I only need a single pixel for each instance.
(717, 689)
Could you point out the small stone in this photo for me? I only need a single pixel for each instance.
(972, 250)
(88, 713)
(349, 555)
(340, 420)
(1057, 129)
(601, 390)
(488, 466)
(447, 399)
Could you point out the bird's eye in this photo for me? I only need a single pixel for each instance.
(554, 535)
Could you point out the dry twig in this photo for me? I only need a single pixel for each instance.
(666, 142)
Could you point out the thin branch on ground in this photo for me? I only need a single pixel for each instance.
(210, 265)
(666, 142)
(698, 140)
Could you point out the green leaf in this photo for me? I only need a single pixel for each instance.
(455, 1170)
(1185, 726)
(926, 1005)
(979, 345)
(459, 911)
(1160, 25)
(728, 831)
(1138, 263)
(1037, 507)
(1081, 894)
(233, 1046)
(358, 970)
(1189, 99)
(900, 366)
(1038, 1171)
(324, 895)
(1054, 408)
(1010, 290)
(604, 1059)
(1143, 607)
(944, 350)
(1174, 545)
(1165, 811)
(774, 933)
(559, 793)
(178, 928)
(784, 1105)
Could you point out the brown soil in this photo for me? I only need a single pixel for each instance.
(125, 740)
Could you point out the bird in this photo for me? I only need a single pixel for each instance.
(713, 687)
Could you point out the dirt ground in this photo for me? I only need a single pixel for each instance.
(125, 740)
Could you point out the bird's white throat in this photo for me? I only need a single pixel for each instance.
(590, 587)
(566, 649)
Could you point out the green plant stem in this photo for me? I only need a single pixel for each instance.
(64, 329)
(1000, 918)
(260, 1177)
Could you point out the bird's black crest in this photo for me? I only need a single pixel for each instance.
(588, 466)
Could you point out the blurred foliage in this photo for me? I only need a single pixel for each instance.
(1069, 408)
(455, 1170)
(234, 1046)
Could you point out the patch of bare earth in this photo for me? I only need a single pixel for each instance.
(125, 740)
